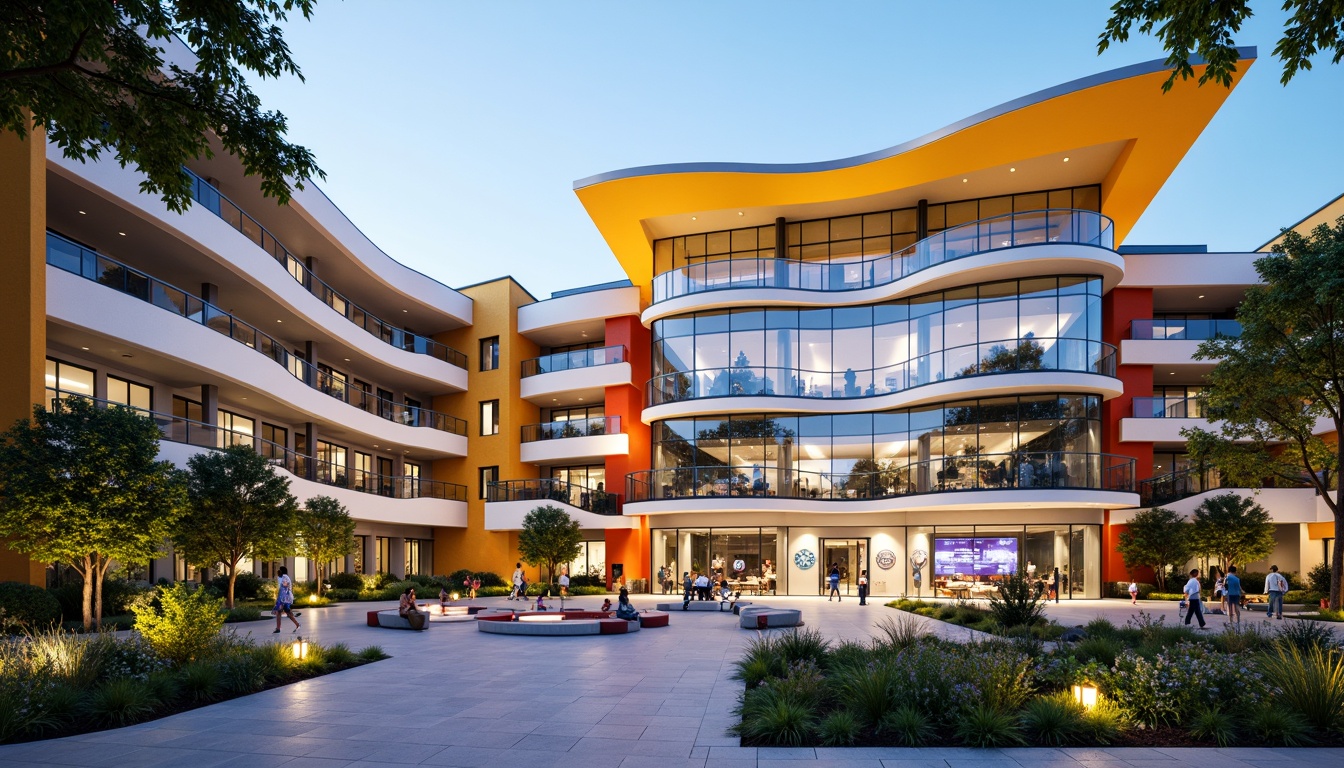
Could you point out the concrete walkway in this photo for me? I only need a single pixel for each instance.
(452, 696)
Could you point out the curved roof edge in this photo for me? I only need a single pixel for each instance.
(1082, 83)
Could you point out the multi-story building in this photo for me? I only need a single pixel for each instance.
(935, 363)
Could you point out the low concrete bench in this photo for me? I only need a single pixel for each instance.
(761, 617)
(556, 628)
(651, 619)
(711, 606)
(392, 619)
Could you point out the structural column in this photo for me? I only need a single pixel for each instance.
(23, 299)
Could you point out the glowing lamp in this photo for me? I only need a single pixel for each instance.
(299, 648)
(312, 598)
(454, 596)
(1085, 695)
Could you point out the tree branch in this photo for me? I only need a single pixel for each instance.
(47, 69)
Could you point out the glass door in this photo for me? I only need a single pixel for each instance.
(850, 557)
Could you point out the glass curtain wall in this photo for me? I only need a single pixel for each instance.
(969, 561)
(1006, 442)
(746, 557)
(1051, 323)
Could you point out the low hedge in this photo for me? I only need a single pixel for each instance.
(26, 607)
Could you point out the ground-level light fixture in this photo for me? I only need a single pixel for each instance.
(1086, 695)
(299, 648)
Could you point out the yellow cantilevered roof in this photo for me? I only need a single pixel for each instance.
(1127, 133)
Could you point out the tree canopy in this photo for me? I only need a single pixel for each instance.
(325, 532)
(549, 537)
(82, 485)
(1233, 529)
(238, 509)
(1157, 538)
(1282, 380)
(97, 78)
(1199, 28)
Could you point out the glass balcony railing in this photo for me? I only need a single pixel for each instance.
(559, 430)
(70, 257)
(593, 500)
(1035, 354)
(197, 433)
(579, 358)
(1014, 230)
(1181, 484)
(1184, 330)
(985, 472)
(1168, 408)
(212, 200)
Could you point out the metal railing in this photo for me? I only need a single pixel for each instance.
(71, 257)
(559, 430)
(579, 358)
(1028, 354)
(1013, 230)
(1164, 329)
(595, 500)
(214, 201)
(203, 435)
(1033, 470)
(1168, 408)
(1181, 484)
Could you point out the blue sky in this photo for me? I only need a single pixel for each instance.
(452, 133)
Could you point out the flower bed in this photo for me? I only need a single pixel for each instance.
(1145, 684)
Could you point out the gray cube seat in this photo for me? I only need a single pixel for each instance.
(762, 617)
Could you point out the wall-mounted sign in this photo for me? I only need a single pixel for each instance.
(886, 559)
(805, 558)
(739, 565)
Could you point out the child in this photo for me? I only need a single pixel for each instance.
(541, 599)
(1133, 593)
(443, 600)
(606, 604)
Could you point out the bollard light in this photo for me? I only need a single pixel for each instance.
(1085, 695)
(300, 648)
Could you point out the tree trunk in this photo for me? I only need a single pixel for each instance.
(88, 593)
(99, 568)
(1336, 567)
(233, 576)
(318, 568)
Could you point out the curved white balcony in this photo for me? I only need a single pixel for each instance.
(94, 308)
(1014, 246)
(583, 374)
(509, 501)
(572, 442)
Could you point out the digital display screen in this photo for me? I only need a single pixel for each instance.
(974, 556)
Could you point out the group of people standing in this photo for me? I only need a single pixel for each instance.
(1228, 590)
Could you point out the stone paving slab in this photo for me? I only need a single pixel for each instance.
(456, 697)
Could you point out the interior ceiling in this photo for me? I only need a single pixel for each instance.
(1124, 108)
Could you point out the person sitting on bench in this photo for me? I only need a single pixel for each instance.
(410, 611)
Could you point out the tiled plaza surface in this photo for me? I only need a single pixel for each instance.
(662, 698)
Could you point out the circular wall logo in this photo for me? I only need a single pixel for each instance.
(739, 565)
(805, 558)
(886, 559)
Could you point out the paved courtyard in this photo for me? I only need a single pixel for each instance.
(452, 696)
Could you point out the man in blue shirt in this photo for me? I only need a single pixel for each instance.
(1232, 587)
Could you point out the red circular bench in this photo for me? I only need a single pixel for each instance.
(650, 619)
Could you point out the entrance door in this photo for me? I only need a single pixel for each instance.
(850, 556)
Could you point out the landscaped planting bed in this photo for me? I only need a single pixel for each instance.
(1152, 685)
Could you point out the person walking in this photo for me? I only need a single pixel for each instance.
(1192, 598)
(1276, 586)
(284, 599)
(1219, 588)
(1054, 585)
(863, 587)
(662, 578)
(564, 583)
(1232, 593)
(687, 584)
(517, 592)
(834, 579)
(1133, 593)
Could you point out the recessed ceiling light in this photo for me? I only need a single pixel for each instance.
(81, 213)
(693, 218)
(1012, 170)
(123, 234)
(1066, 159)
(86, 349)
(244, 397)
(405, 310)
(279, 321)
(963, 181)
(739, 213)
(347, 359)
(1201, 295)
(1173, 373)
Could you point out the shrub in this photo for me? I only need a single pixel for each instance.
(867, 690)
(754, 671)
(242, 613)
(1309, 683)
(1102, 650)
(121, 701)
(802, 645)
(985, 726)
(1178, 680)
(1103, 723)
(422, 579)
(185, 624)
(772, 718)
(346, 581)
(163, 687)
(1004, 674)
(903, 630)
(908, 726)
(588, 581)
(1305, 635)
(381, 579)
(61, 704)
(487, 579)
(241, 674)
(372, 653)
(1015, 603)
(1100, 627)
(201, 681)
(341, 594)
(25, 606)
(1054, 721)
(838, 729)
(1239, 639)
(1275, 726)
(340, 654)
(759, 661)
(274, 660)
(848, 654)
(1211, 724)
(1318, 578)
(246, 586)
(579, 591)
